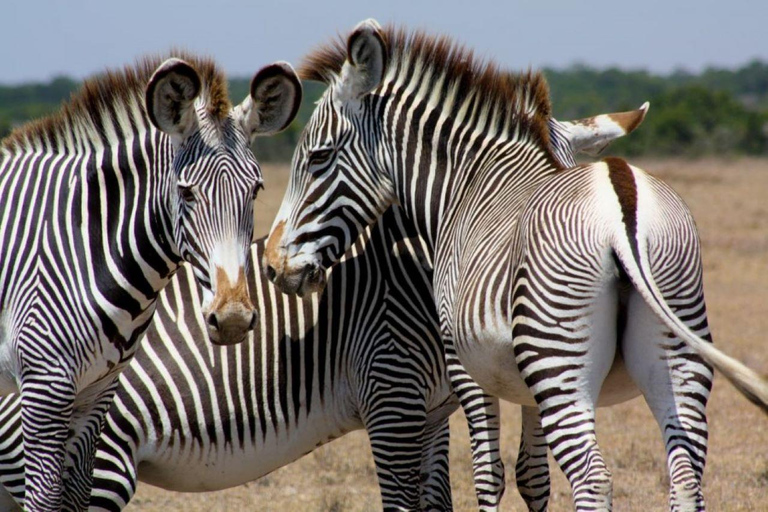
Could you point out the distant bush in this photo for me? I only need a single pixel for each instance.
(717, 111)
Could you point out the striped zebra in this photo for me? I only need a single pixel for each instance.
(188, 416)
(378, 354)
(145, 168)
(557, 289)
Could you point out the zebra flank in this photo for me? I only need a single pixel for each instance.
(560, 288)
(144, 168)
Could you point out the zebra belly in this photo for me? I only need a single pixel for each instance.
(490, 361)
(211, 468)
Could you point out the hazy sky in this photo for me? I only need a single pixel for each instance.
(43, 38)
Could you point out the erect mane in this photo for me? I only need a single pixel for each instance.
(116, 92)
(524, 96)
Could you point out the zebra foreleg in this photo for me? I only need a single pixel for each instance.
(47, 402)
(435, 474)
(396, 443)
(91, 407)
(115, 472)
(532, 469)
(483, 420)
(11, 453)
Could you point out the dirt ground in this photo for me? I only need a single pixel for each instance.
(728, 200)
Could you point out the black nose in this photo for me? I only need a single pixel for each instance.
(254, 319)
(213, 321)
(271, 273)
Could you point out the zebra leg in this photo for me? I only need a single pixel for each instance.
(90, 409)
(532, 469)
(115, 473)
(396, 430)
(435, 475)
(564, 348)
(11, 453)
(483, 420)
(47, 402)
(676, 385)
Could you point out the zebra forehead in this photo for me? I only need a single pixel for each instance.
(524, 95)
(120, 89)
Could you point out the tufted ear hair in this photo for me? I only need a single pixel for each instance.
(274, 100)
(170, 98)
(366, 61)
(591, 135)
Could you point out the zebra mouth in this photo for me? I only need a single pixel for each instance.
(312, 280)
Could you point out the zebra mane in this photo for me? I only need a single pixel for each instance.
(115, 94)
(522, 97)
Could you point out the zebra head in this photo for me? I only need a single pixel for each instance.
(339, 183)
(217, 179)
(342, 176)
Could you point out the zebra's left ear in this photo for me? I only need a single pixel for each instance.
(274, 101)
(592, 135)
(366, 61)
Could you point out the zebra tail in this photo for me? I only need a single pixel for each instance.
(636, 264)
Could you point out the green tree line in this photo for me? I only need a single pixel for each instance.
(718, 111)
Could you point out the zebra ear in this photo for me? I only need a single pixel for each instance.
(274, 101)
(170, 97)
(591, 135)
(366, 61)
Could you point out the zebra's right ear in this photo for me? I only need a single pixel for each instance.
(366, 61)
(170, 98)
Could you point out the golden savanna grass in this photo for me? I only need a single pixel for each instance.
(728, 200)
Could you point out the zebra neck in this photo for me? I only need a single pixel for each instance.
(131, 243)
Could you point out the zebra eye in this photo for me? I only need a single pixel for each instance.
(188, 192)
(319, 160)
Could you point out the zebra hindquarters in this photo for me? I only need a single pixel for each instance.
(673, 379)
(565, 306)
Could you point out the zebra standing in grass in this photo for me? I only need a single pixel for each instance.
(378, 332)
(556, 289)
(143, 169)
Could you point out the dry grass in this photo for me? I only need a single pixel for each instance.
(727, 199)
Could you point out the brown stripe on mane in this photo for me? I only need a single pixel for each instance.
(114, 89)
(501, 89)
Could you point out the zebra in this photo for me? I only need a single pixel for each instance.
(151, 426)
(558, 289)
(144, 168)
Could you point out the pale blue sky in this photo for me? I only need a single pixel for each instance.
(40, 39)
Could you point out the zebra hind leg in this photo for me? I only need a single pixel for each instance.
(564, 348)
(676, 385)
(532, 468)
(484, 422)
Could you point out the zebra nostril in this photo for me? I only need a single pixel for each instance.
(271, 273)
(252, 325)
(213, 321)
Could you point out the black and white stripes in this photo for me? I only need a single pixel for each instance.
(543, 275)
(102, 203)
(366, 354)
